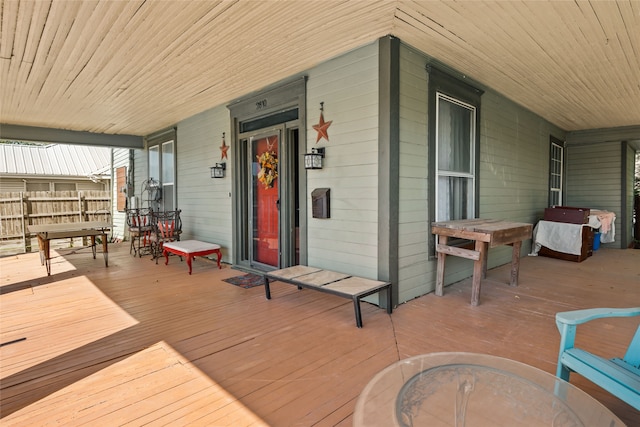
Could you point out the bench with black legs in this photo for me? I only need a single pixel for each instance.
(331, 282)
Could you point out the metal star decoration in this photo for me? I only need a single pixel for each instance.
(224, 148)
(323, 126)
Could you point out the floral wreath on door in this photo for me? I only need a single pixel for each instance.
(268, 168)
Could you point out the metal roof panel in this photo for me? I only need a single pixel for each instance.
(53, 159)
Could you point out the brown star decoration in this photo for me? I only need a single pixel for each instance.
(322, 127)
(224, 148)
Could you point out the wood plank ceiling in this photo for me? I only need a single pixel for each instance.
(134, 67)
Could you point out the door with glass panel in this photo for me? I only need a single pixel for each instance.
(265, 198)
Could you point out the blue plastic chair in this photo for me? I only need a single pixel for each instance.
(620, 377)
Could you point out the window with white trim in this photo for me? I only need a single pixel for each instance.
(455, 158)
(453, 134)
(162, 169)
(556, 169)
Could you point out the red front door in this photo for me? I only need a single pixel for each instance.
(265, 199)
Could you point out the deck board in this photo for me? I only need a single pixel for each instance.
(144, 344)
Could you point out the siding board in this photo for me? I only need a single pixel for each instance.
(348, 86)
(594, 179)
(413, 229)
(205, 202)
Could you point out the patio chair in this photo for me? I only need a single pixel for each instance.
(620, 377)
(140, 230)
(167, 227)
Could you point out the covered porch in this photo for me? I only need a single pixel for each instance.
(138, 343)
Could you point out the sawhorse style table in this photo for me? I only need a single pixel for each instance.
(486, 233)
(190, 249)
(48, 232)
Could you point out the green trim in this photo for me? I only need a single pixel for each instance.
(61, 136)
(389, 162)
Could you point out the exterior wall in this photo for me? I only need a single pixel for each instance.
(514, 166)
(205, 202)
(140, 174)
(594, 180)
(93, 186)
(8, 184)
(513, 176)
(120, 157)
(416, 272)
(348, 86)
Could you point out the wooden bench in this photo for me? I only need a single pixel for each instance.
(620, 377)
(331, 282)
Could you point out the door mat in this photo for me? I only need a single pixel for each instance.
(246, 280)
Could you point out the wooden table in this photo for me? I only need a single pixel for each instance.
(48, 232)
(486, 233)
(190, 249)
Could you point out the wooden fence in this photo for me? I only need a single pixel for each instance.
(19, 210)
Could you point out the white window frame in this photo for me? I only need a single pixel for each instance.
(168, 177)
(556, 173)
(440, 173)
(157, 170)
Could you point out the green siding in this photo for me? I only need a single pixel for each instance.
(513, 176)
(205, 202)
(416, 273)
(348, 86)
(594, 179)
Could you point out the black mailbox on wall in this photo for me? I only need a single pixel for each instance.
(320, 203)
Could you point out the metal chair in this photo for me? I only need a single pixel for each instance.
(167, 227)
(140, 230)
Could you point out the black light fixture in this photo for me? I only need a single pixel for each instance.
(217, 171)
(313, 160)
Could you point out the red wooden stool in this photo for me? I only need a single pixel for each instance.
(190, 249)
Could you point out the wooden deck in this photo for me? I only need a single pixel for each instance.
(144, 344)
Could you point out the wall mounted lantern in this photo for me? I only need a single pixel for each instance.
(217, 171)
(313, 160)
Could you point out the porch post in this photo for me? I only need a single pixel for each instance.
(388, 162)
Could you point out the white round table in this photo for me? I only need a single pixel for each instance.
(468, 389)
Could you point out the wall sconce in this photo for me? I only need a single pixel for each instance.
(217, 171)
(313, 160)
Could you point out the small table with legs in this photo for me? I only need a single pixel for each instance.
(487, 233)
(190, 249)
(92, 229)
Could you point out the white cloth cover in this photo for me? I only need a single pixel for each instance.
(558, 236)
